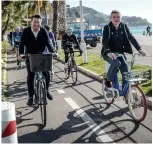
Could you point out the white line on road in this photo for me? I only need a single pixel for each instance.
(92, 125)
(60, 91)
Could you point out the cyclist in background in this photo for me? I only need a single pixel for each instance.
(16, 36)
(51, 35)
(68, 39)
(52, 38)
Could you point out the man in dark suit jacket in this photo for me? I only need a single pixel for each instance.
(36, 39)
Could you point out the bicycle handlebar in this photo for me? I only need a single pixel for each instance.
(133, 58)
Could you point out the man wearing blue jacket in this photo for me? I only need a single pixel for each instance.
(16, 36)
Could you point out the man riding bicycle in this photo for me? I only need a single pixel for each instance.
(16, 36)
(116, 40)
(36, 39)
(68, 39)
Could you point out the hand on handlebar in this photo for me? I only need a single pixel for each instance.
(56, 55)
(143, 53)
(112, 56)
(81, 51)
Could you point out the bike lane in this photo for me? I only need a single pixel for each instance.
(77, 114)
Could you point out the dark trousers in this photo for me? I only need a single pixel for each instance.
(66, 52)
(30, 79)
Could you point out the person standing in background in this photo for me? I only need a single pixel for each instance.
(148, 30)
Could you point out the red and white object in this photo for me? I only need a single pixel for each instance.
(9, 131)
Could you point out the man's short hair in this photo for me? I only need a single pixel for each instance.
(115, 12)
(36, 16)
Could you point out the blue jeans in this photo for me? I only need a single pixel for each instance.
(119, 63)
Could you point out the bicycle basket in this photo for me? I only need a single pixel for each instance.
(136, 76)
(40, 62)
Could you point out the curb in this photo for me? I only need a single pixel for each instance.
(4, 80)
(99, 78)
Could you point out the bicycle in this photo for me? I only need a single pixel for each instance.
(129, 92)
(72, 67)
(39, 63)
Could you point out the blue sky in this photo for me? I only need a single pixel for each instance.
(141, 8)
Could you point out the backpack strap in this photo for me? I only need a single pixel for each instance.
(109, 32)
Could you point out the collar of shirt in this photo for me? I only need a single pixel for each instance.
(35, 33)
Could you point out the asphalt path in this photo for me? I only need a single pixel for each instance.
(78, 114)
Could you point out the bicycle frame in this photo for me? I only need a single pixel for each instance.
(115, 82)
(116, 85)
(38, 76)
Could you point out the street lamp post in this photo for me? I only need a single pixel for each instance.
(81, 22)
(83, 44)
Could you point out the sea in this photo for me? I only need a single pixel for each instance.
(138, 30)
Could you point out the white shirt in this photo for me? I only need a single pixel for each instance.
(35, 33)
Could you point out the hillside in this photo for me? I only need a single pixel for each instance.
(96, 18)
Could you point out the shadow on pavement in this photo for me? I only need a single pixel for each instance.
(76, 124)
(10, 62)
(19, 115)
(17, 88)
(15, 68)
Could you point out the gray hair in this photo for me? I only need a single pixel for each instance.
(115, 12)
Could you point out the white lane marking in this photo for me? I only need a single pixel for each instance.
(60, 91)
(78, 125)
(92, 125)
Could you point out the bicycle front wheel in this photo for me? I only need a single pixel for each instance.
(137, 103)
(67, 71)
(74, 72)
(43, 102)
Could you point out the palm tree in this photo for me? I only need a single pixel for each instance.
(45, 6)
(62, 18)
(55, 18)
(50, 9)
(32, 8)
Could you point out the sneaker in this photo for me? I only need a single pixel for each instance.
(49, 95)
(108, 83)
(30, 101)
(73, 70)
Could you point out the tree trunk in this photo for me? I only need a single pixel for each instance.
(55, 18)
(62, 18)
(46, 19)
(51, 16)
(5, 27)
